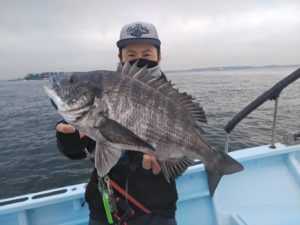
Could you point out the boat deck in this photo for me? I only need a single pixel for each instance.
(267, 192)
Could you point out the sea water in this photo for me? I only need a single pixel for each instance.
(30, 160)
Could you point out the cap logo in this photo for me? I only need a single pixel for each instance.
(137, 31)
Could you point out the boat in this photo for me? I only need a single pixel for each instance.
(267, 192)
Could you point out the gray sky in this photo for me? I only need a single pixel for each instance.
(40, 36)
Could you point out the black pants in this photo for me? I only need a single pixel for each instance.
(142, 220)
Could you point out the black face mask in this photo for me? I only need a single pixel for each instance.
(143, 62)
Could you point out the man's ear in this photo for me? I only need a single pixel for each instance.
(120, 57)
(159, 57)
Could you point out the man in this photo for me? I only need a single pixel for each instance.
(139, 174)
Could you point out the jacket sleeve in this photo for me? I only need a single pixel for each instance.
(72, 146)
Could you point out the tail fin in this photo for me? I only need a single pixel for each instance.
(220, 164)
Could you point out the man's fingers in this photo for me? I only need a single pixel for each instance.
(150, 162)
(155, 166)
(81, 135)
(65, 128)
(147, 162)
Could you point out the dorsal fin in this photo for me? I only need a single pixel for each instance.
(166, 88)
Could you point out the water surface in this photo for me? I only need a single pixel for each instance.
(30, 161)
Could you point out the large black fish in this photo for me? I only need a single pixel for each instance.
(139, 112)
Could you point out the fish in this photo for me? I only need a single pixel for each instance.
(133, 110)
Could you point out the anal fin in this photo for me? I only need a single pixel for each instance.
(174, 168)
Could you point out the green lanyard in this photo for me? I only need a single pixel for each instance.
(108, 198)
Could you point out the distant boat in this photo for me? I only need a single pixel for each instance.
(267, 192)
(41, 76)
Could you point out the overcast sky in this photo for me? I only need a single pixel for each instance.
(39, 36)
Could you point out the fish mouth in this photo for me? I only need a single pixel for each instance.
(54, 99)
(53, 104)
(70, 114)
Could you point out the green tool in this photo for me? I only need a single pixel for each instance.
(107, 208)
(107, 198)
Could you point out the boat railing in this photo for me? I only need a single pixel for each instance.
(44, 196)
(271, 94)
(292, 138)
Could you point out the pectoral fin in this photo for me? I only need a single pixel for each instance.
(117, 134)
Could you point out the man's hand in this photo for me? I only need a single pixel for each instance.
(150, 162)
(67, 129)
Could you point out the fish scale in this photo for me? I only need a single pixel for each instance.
(156, 120)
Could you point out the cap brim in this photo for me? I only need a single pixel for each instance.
(130, 41)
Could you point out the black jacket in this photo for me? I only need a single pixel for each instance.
(153, 191)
